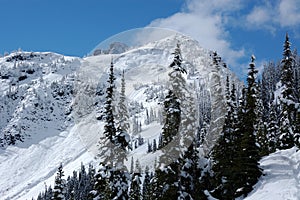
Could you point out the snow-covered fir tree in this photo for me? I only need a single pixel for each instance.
(190, 175)
(172, 118)
(273, 128)
(101, 189)
(177, 61)
(109, 127)
(287, 99)
(261, 126)
(119, 184)
(135, 186)
(246, 163)
(225, 150)
(146, 192)
(59, 185)
(123, 126)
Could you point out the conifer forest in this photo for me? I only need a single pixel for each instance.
(262, 117)
(200, 152)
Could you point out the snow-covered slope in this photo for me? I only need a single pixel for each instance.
(282, 177)
(48, 107)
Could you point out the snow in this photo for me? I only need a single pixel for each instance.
(281, 179)
(28, 169)
(70, 140)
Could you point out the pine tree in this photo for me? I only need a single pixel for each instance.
(149, 147)
(248, 151)
(178, 119)
(154, 148)
(190, 174)
(123, 116)
(109, 127)
(297, 128)
(287, 115)
(113, 145)
(172, 118)
(91, 180)
(59, 185)
(118, 183)
(48, 193)
(131, 165)
(165, 182)
(216, 59)
(261, 135)
(146, 185)
(155, 188)
(177, 61)
(101, 187)
(135, 187)
(73, 186)
(122, 137)
(224, 152)
(268, 86)
(273, 128)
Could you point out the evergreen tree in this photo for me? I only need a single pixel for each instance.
(165, 182)
(135, 187)
(216, 59)
(59, 185)
(178, 132)
(297, 128)
(189, 186)
(149, 147)
(172, 118)
(178, 123)
(273, 128)
(155, 188)
(123, 116)
(109, 127)
(118, 183)
(248, 151)
(286, 139)
(224, 152)
(268, 86)
(154, 148)
(261, 126)
(146, 185)
(177, 61)
(113, 150)
(122, 137)
(73, 185)
(101, 187)
(131, 165)
(48, 193)
(287, 115)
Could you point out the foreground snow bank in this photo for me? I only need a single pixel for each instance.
(282, 177)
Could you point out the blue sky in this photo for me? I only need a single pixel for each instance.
(235, 28)
(73, 27)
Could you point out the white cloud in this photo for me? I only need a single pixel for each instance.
(289, 13)
(279, 13)
(210, 22)
(151, 34)
(206, 22)
(259, 15)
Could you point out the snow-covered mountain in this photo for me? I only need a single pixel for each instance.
(49, 105)
(114, 48)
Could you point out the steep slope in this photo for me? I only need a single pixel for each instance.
(36, 89)
(50, 104)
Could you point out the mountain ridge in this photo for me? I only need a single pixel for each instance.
(70, 84)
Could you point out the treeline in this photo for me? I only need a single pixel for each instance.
(264, 119)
